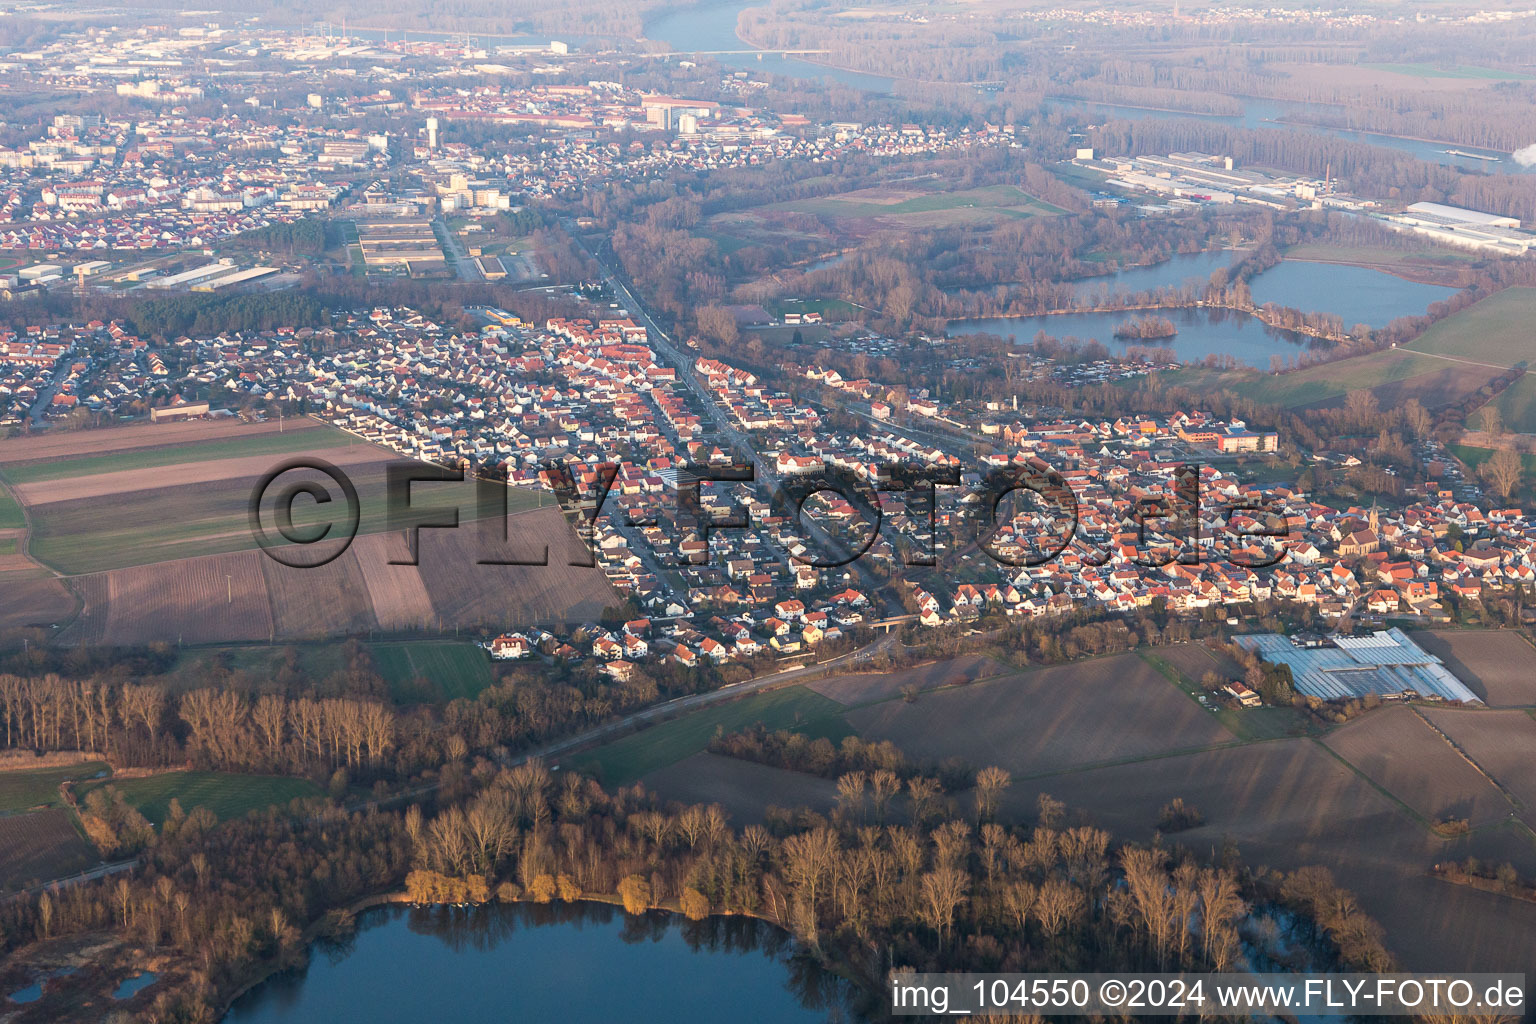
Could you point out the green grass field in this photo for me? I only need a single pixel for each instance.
(454, 668)
(1454, 71)
(10, 512)
(225, 794)
(317, 661)
(1475, 457)
(726, 243)
(826, 307)
(24, 790)
(7, 545)
(794, 707)
(1315, 383)
(1500, 329)
(1517, 405)
(306, 439)
(1004, 200)
(202, 519)
(1429, 256)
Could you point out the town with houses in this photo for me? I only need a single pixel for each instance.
(515, 399)
(137, 203)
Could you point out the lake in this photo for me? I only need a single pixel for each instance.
(1355, 294)
(1172, 272)
(703, 29)
(1202, 332)
(1359, 295)
(573, 963)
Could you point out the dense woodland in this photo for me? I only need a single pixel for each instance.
(950, 881)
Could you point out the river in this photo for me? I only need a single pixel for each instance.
(583, 963)
(1266, 114)
(713, 27)
(703, 29)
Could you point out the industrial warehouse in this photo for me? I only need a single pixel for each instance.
(1385, 663)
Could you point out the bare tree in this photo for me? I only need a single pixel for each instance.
(991, 782)
(884, 785)
(943, 890)
(1503, 471)
(1056, 904)
(850, 794)
(925, 795)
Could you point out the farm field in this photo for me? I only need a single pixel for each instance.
(41, 846)
(1289, 803)
(465, 593)
(190, 497)
(302, 435)
(39, 787)
(637, 755)
(849, 690)
(1194, 660)
(164, 524)
(1496, 330)
(452, 668)
(318, 602)
(225, 794)
(243, 596)
(1446, 364)
(1187, 664)
(40, 448)
(1503, 743)
(11, 517)
(1396, 750)
(1284, 803)
(1092, 712)
(1394, 375)
(111, 483)
(1495, 664)
(396, 591)
(1430, 261)
(33, 602)
(213, 599)
(743, 789)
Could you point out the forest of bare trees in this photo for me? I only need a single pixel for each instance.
(946, 883)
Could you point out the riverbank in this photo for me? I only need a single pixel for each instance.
(1297, 123)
